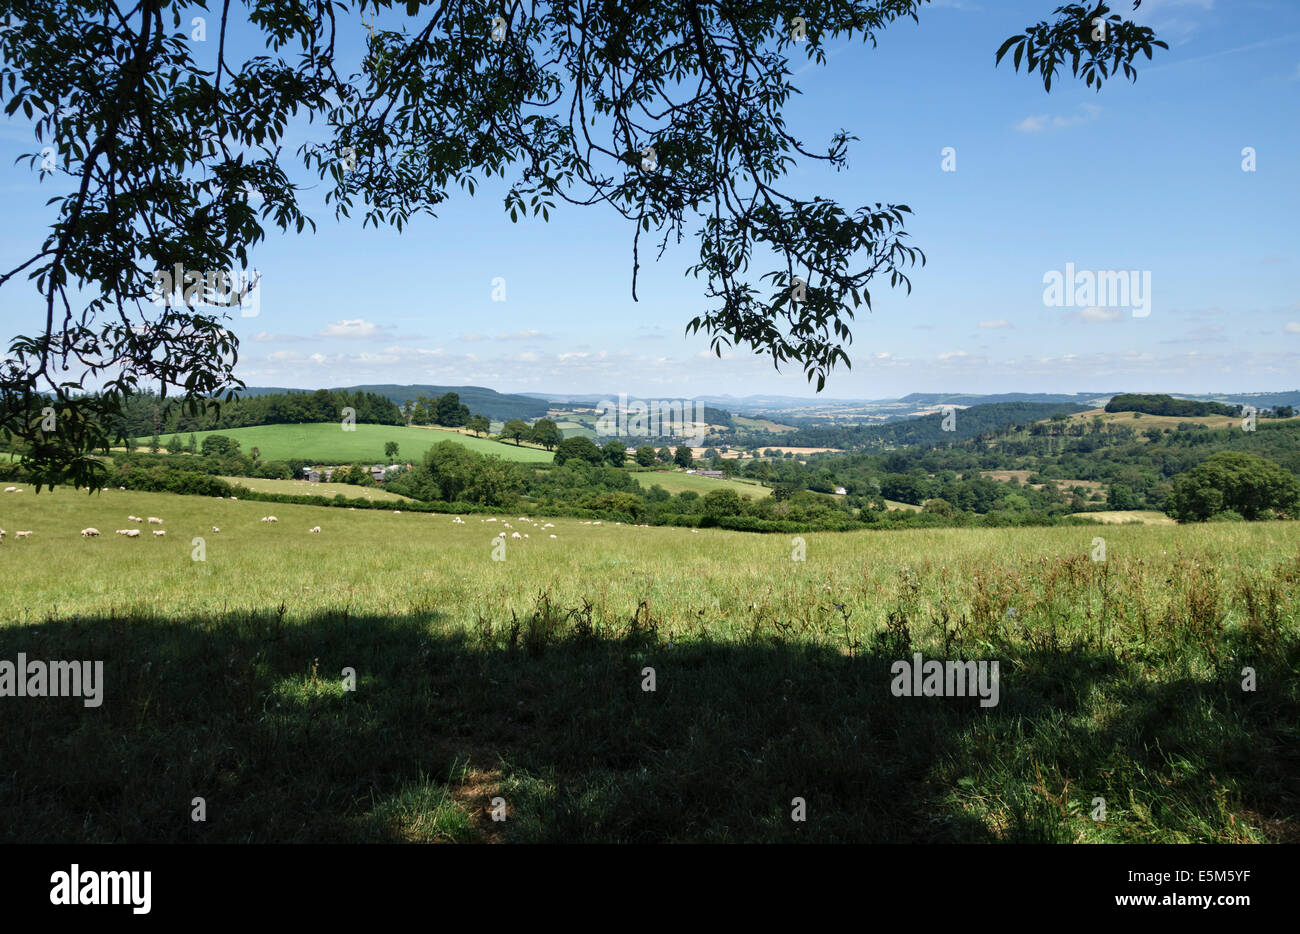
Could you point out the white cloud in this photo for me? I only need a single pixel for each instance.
(524, 336)
(352, 328)
(1095, 314)
(999, 323)
(1040, 122)
(1292, 327)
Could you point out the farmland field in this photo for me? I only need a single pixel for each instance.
(1117, 516)
(307, 488)
(1171, 422)
(678, 482)
(524, 678)
(328, 443)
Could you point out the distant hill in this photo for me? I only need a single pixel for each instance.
(495, 405)
(941, 398)
(929, 429)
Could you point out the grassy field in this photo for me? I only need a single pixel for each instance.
(523, 679)
(675, 483)
(1119, 516)
(1161, 421)
(306, 488)
(328, 443)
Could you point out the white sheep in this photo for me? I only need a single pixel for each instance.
(154, 520)
(270, 519)
(132, 533)
(159, 533)
(122, 531)
(26, 534)
(89, 533)
(2, 535)
(316, 529)
(215, 529)
(512, 535)
(121, 488)
(134, 519)
(555, 536)
(11, 489)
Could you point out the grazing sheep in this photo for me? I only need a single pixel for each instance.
(121, 488)
(132, 533)
(26, 534)
(215, 529)
(154, 520)
(121, 531)
(134, 519)
(555, 536)
(11, 489)
(270, 519)
(90, 533)
(159, 534)
(2, 535)
(512, 535)
(458, 521)
(549, 525)
(234, 497)
(316, 529)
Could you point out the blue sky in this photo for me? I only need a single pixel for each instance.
(1144, 176)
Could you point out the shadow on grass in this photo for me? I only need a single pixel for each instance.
(250, 714)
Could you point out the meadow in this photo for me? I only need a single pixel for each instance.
(327, 443)
(679, 482)
(307, 488)
(523, 679)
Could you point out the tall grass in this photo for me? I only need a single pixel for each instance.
(522, 679)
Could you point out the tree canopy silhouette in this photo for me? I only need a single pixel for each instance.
(670, 113)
